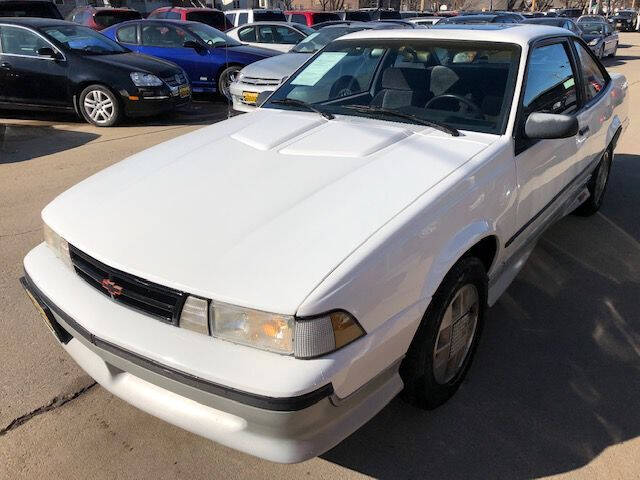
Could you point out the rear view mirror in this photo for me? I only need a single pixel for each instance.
(549, 125)
(48, 52)
(262, 97)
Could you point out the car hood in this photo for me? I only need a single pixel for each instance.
(276, 67)
(256, 51)
(256, 210)
(137, 62)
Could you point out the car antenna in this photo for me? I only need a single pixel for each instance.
(226, 65)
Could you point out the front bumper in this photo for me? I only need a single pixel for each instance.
(238, 91)
(282, 429)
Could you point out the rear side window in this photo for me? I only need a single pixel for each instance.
(213, 19)
(247, 34)
(243, 18)
(551, 86)
(594, 78)
(298, 18)
(127, 34)
(106, 18)
(267, 16)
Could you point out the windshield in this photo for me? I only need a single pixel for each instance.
(319, 39)
(108, 18)
(83, 40)
(211, 36)
(592, 28)
(463, 85)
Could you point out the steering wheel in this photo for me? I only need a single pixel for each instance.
(343, 87)
(471, 104)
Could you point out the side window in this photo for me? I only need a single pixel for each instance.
(247, 34)
(164, 36)
(265, 34)
(550, 85)
(19, 41)
(298, 18)
(231, 17)
(127, 34)
(243, 18)
(172, 15)
(287, 36)
(593, 76)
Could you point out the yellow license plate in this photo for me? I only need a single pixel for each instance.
(42, 313)
(250, 97)
(184, 91)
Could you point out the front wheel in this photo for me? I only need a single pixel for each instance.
(99, 106)
(227, 76)
(443, 347)
(597, 186)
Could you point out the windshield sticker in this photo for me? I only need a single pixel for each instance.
(318, 68)
(569, 83)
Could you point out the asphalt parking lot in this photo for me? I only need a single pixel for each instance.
(554, 389)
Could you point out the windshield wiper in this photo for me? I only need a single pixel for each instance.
(299, 103)
(414, 118)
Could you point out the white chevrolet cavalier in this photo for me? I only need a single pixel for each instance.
(272, 281)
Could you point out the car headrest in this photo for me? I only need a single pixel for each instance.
(404, 79)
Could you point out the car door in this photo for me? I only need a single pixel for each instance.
(166, 41)
(545, 167)
(27, 77)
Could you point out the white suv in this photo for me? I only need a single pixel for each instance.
(250, 15)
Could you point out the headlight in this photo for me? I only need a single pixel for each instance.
(58, 244)
(141, 79)
(594, 42)
(304, 338)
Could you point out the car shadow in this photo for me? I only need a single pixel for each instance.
(618, 60)
(16, 145)
(624, 45)
(555, 380)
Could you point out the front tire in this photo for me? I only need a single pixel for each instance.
(597, 186)
(226, 77)
(443, 347)
(100, 106)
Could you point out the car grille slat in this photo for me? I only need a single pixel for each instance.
(147, 297)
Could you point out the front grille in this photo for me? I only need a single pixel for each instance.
(155, 300)
(175, 80)
(260, 81)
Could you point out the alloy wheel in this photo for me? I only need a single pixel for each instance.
(99, 106)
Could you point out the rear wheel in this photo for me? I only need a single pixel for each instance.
(99, 106)
(597, 186)
(443, 347)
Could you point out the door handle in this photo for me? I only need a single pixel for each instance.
(5, 66)
(584, 130)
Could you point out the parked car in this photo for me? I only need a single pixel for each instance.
(280, 36)
(382, 14)
(570, 12)
(355, 15)
(99, 18)
(624, 20)
(591, 19)
(399, 23)
(562, 22)
(241, 17)
(601, 38)
(310, 18)
(406, 14)
(210, 58)
(29, 8)
(56, 65)
(209, 16)
(330, 252)
(267, 74)
(427, 22)
(478, 19)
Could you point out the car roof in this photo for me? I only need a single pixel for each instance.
(190, 9)
(274, 22)
(517, 33)
(35, 22)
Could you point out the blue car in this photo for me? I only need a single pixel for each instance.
(210, 58)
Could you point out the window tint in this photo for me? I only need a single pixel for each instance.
(287, 35)
(265, 34)
(164, 36)
(243, 18)
(261, 16)
(551, 86)
(28, 9)
(247, 34)
(593, 77)
(19, 41)
(298, 18)
(127, 34)
(231, 17)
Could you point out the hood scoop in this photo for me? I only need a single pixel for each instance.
(342, 139)
(267, 132)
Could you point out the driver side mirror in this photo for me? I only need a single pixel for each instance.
(48, 52)
(262, 97)
(549, 125)
(195, 45)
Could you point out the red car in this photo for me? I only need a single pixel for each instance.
(210, 16)
(309, 18)
(99, 18)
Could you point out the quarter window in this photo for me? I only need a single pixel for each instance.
(593, 77)
(127, 34)
(19, 41)
(551, 86)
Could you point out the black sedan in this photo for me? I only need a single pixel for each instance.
(57, 65)
(562, 22)
(624, 20)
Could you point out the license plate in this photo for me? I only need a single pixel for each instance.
(184, 91)
(250, 97)
(43, 314)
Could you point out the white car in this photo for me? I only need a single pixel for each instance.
(272, 281)
(427, 22)
(280, 36)
(242, 16)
